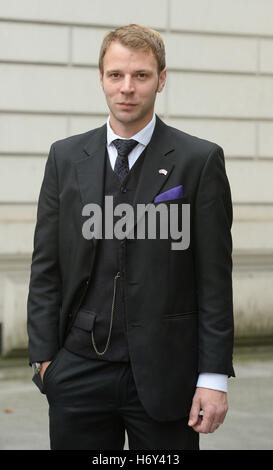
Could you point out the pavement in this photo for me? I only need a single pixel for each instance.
(248, 424)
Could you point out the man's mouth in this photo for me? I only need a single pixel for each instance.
(127, 105)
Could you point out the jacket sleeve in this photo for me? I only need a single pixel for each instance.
(44, 297)
(213, 263)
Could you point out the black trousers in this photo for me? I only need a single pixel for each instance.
(93, 402)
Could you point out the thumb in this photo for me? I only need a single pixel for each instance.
(194, 413)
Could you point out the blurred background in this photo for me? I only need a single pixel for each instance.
(219, 87)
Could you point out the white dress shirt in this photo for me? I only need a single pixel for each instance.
(143, 137)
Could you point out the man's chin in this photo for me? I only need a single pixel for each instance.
(128, 116)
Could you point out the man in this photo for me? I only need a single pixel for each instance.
(129, 333)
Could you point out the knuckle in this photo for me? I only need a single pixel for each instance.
(211, 410)
(195, 402)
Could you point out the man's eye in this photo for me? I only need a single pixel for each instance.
(142, 75)
(115, 75)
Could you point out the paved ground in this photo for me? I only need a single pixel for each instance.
(248, 425)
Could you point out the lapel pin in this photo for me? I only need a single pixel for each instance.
(162, 171)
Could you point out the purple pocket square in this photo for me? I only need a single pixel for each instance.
(173, 193)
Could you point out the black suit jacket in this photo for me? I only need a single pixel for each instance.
(178, 302)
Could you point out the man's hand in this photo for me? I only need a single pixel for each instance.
(214, 405)
(43, 368)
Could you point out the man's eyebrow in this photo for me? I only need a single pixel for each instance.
(111, 71)
(135, 71)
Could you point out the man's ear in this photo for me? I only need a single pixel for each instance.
(101, 76)
(162, 80)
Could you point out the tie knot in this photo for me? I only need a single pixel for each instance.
(124, 146)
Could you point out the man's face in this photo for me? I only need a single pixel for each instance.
(130, 82)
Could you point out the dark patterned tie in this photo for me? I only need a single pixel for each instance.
(124, 147)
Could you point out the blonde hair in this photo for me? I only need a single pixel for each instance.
(136, 37)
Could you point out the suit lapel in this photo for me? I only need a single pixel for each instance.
(156, 158)
(90, 170)
(151, 181)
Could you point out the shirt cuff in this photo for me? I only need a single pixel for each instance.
(213, 381)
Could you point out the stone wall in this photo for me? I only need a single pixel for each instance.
(219, 87)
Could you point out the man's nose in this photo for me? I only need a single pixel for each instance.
(127, 85)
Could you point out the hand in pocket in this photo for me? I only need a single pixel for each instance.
(43, 368)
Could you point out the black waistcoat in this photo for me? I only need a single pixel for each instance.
(94, 315)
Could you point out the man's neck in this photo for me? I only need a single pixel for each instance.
(129, 129)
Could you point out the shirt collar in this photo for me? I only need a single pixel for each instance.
(143, 136)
